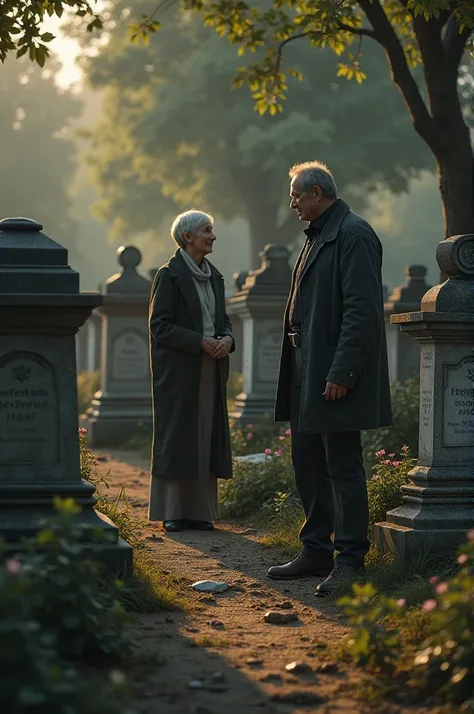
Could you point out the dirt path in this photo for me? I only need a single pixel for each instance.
(221, 657)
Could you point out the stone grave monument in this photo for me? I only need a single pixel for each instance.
(403, 351)
(124, 399)
(41, 310)
(260, 304)
(438, 505)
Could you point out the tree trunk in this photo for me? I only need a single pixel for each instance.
(456, 184)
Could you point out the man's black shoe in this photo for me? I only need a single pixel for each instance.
(172, 526)
(343, 574)
(302, 567)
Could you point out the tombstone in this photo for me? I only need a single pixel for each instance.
(438, 505)
(260, 304)
(124, 399)
(41, 310)
(236, 358)
(403, 351)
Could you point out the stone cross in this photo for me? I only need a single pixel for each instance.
(260, 304)
(124, 399)
(41, 310)
(438, 505)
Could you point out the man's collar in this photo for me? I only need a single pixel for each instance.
(316, 226)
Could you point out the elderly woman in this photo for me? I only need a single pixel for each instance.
(191, 337)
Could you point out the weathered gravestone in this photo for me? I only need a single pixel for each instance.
(403, 351)
(260, 305)
(41, 310)
(124, 400)
(438, 505)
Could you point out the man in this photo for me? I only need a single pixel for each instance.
(333, 377)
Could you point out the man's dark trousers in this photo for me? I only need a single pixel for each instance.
(331, 482)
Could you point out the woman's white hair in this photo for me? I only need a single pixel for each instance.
(188, 222)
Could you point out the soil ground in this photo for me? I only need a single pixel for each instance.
(220, 656)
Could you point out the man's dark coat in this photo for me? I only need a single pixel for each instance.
(343, 331)
(176, 330)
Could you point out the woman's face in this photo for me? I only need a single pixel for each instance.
(201, 243)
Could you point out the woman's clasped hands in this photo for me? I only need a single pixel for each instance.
(217, 348)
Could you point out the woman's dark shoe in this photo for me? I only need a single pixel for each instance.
(199, 525)
(172, 526)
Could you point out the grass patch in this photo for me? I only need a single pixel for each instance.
(211, 641)
(87, 385)
(150, 589)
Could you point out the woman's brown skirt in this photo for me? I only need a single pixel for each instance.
(181, 498)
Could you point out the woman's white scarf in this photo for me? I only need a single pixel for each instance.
(201, 275)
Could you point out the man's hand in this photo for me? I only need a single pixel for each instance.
(334, 391)
(224, 347)
(210, 345)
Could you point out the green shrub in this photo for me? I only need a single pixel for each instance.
(372, 643)
(256, 438)
(256, 485)
(442, 664)
(69, 598)
(50, 597)
(384, 488)
(404, 432)
(87, 385)
(445, 662)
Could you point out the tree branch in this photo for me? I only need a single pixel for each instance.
(401, 74)
(454, 42)
(361, 31)
(281, 46)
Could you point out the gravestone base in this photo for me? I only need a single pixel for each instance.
(108, 432)
(25, 508)
(252, 407)
(407, 542)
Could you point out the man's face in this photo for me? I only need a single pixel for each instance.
(306, 205)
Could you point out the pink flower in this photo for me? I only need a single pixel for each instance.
(387, 462)
(395, 463)
(434, 579)
(268, 452)
(405, 448)
(441, 588)
(470, 534)
(249, 436)
(429, 605)
(282, 438)
(288, 433)
(380, 453)
(83, 431)
(401, 602)
(462, 559)
(12, 566)
(249, 426)
(391, 455)
(279, 452)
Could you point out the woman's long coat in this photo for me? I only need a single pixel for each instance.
(343, 331)
(176, 330)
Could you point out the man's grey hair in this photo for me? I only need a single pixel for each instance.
(313, 173)
(188, 222)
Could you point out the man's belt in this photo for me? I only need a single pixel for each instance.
(295, 339)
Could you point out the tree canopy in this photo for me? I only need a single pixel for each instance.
(173, 133)
(430, 34)
(38, 155)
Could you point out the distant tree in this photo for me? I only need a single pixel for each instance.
(173, 133)
(38, 155)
